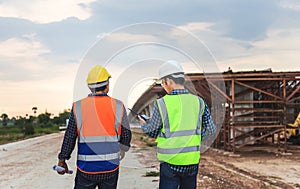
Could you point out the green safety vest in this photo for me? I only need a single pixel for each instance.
(179, 140)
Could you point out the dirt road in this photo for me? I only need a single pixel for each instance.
(253, 167)
(27, 164)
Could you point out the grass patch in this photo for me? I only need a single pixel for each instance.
(10, 130)
(4, 139)
(149, 141)
(47, 130)
(152, 174)
(138, 135)
(13, 133)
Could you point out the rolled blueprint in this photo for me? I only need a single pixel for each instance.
(59, 168)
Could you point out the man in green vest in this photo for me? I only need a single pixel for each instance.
(178, 121)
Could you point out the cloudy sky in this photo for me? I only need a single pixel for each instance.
(43, 42)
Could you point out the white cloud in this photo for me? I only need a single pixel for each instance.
(28, 59)
(221, 47)
(197, 26)
(275, 61)
(127, 37)
(278, 51)
(52, 94)
(25, 47)
(280, 39)
(21, 56)
(291, 4)
(45, 11)
(162, 33)
(41, 80)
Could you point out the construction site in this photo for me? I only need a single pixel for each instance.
(257, 114)
(256, 146)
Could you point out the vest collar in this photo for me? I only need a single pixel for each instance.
(96, 94)
(178, 91)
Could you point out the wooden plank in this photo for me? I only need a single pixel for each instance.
(225, 78)
(293, 93)
(255, 117)
(258, 101)
(294, 99)
(248, 74)
(220, 91)
(244, 134)
(258, 110)
(257, 89)
(260, 126)
(261, 122)
(259, 138)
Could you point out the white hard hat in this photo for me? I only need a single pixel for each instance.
(170, 67)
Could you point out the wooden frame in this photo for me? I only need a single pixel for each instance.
(257, 105)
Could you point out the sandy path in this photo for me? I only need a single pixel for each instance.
(285, 170)
(28, 163)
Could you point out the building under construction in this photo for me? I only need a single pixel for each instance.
(248, 107)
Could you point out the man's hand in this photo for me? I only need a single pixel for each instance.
(142, 121)
(122, 154)
(63, 164)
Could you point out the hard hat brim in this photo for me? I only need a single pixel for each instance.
(97, 85)
(175, 75)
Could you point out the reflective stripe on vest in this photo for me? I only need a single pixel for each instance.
(179, 143)
(98, 140)
(178, 150)
(98, 157)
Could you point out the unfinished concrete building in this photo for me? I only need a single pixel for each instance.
(248, 107)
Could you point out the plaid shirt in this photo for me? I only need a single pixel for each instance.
(154, 125)
(71, 136)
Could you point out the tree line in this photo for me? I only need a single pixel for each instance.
(28, 122)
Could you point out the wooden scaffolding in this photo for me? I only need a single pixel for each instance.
(248, 107)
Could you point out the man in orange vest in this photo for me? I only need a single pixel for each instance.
(101, 127)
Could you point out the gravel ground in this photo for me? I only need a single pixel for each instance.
(251, 167)
(28, 164)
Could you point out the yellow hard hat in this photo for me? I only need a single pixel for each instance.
(97, 77)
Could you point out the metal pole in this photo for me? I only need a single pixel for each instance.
(233, 112)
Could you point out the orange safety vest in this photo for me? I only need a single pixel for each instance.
(99, 120)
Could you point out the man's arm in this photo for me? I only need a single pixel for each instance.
(125, 137)
(208, 126)
(69, 138)
(153, 126)
(68, 143)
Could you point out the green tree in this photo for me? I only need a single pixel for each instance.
(20, 121)
(28, 129)
(31, 119)
(62, 117)
(44, 119)
(4, 118)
